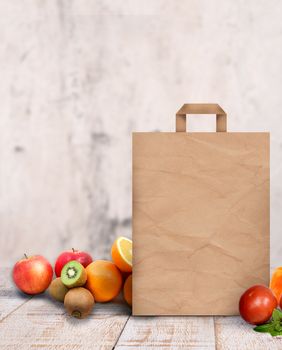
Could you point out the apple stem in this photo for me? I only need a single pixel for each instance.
(73, 250)
(25, 256)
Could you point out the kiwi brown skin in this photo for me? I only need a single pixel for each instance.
(79, 302)
(58, 290)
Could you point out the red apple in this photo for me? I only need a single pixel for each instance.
(33, 274)
(82, 257)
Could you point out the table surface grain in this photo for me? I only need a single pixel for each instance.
(40, 323)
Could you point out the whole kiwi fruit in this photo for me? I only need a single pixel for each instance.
(79, 302)
(58, 290)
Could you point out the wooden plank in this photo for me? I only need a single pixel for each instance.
(168, 332)
(10, 297)
(233, 333)
(42, 323)
(116, 307)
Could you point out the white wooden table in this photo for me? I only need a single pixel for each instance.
(40, 323)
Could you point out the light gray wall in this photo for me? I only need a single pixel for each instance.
(76, 77)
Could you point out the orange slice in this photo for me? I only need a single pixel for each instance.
(122, 254)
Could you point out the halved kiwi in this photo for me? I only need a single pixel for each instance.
(73, 274)
(57, 289)
(79, 302)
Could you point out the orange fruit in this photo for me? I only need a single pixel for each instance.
(127, 290)
(122, 254)
(103, 280)
(124, 275)
(276, 283)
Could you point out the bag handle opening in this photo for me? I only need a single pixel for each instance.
(201, 108)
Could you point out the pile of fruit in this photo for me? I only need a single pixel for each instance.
(259, 305)
(80, 281)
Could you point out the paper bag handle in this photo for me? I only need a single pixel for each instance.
(201, 108)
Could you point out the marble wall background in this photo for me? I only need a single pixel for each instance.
(76, 77)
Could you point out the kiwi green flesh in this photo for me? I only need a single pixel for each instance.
(73, 274)
(79, 302)
(58, 290)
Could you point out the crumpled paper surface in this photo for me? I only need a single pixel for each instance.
(200, 221)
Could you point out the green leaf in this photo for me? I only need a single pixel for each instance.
(274, 327)
(280, 313)
(276, 315)
(264, 328)
(278, 327)
(274, 333)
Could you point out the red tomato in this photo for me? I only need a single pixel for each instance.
(257, 304)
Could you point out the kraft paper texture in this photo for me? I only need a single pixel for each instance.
(200, 221)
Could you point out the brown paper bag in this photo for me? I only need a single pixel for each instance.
(200, 217)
